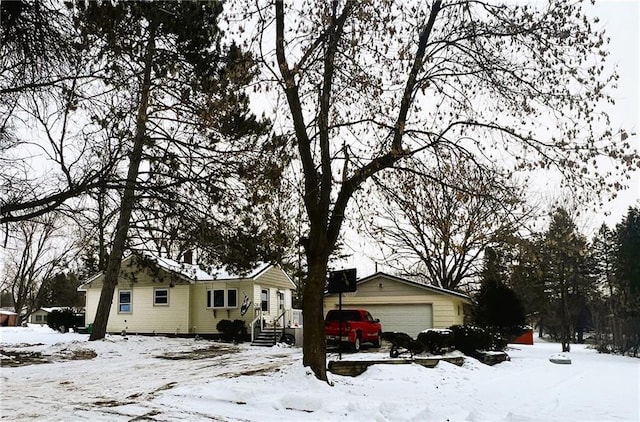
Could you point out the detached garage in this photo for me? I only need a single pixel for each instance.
(404, 305)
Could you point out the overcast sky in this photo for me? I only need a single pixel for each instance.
(621, 21)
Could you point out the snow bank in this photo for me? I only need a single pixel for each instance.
(182, 379)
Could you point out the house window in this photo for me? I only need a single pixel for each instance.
(218, 298)
(161, 296)
(264, 299)
(232, 298)
(281, 299)
(39, 318)
(124, 301)
(221, 298)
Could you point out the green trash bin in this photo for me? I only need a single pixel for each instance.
(90, 328)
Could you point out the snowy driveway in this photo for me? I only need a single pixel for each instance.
(165, 379)
(122, 382)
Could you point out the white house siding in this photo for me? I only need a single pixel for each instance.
(187, 312)
(39, 317)
(145, 317)
(275, 277)
(275, 280)
(204, 320)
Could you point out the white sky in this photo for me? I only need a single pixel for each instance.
(621, 20)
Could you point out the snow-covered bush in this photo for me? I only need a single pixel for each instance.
(437, 341)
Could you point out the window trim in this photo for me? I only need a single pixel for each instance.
(226, 297)
(213, 298)
(130, 303)
(263, 302)
(155, 297)
(211, 302)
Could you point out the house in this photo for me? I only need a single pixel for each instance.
(8, 318)
(403, 305)
(157, 295)
(41, 316)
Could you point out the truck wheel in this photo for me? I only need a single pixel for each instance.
(376, 343)
(356, 343)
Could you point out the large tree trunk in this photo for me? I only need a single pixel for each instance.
(128, 200)
(315, 354)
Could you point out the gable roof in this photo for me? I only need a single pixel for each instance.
(193, 272)
(189, 271)
(428, 287)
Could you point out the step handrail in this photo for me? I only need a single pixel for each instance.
(275, 323)
(256, 319)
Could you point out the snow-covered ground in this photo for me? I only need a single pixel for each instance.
(168, 379)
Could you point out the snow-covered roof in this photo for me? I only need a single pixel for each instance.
(197, 273)
(55, 308)
(190, 271)
(225, 274)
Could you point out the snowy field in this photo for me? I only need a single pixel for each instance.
(168, 379)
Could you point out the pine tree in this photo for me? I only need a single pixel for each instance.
(627, 272)
(178, 95)
(498, 308)
(565, 274)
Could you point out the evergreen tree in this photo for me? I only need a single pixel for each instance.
(498, 308)
(178, 108)
(627, 274)
(565, 275)
(62, 290)
(603, 258)
(526, 278)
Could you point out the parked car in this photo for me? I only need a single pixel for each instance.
(353, 327)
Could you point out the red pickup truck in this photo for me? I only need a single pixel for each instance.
(356, 325)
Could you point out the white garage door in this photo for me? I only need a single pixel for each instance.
(410, 319)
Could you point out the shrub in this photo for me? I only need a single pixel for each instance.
(234, 330)
(469, 339)
(437, 341)
(61, 320)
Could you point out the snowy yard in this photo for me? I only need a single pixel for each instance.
(168, 379)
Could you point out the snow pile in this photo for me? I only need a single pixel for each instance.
(166, 379)
(561, 358)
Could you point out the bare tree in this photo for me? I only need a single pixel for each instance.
(370, 83)
(39, 249)
(48, 95)
(436, 220)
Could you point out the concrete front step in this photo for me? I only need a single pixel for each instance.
(267, 338)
